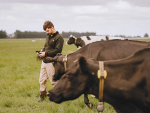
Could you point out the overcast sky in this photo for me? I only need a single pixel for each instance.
(105, 17)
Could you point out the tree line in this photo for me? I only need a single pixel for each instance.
(32, 34)
(29, 34)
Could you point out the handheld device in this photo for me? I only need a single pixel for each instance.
(37, 51)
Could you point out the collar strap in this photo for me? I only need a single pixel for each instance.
(101, 74)
(65, 62)
(75, 40)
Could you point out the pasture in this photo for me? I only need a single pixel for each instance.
(19, 86)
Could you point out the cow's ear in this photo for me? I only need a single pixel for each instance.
(107, 38)
(83, 64)
(88, 37)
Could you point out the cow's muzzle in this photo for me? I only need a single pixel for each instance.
(48, 95)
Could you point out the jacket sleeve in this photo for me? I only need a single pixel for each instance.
(58, 48)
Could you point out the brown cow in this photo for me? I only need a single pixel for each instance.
(126, 88)
(100, 50)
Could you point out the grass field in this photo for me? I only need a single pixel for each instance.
(19, 87)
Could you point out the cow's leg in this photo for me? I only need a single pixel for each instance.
(87, 102)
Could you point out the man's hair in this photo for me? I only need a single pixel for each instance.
(47, 24)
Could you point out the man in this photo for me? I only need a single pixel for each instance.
(53, 45)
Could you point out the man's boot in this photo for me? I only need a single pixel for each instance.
(42, 95)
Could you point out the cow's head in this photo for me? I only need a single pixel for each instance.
(71, 40)
(79, 79)
(58, 64)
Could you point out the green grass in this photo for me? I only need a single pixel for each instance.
(19, 76)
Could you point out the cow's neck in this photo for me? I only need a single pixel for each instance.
(121, 78)
(73, 57)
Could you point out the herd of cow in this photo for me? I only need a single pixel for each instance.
(127, 85)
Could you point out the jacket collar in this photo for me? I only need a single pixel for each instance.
(53, 34)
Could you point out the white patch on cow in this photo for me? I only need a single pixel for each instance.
(92, 95)
(98, 38)
(113, 38)
(75, 60)
(72, 36)
(79, 47)
(93, 39)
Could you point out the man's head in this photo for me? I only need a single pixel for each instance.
(49, 27)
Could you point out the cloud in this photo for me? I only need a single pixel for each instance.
(59, 2)
(143, 3)
(108, 18)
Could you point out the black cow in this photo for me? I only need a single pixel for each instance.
(126, 88)
(100, 50)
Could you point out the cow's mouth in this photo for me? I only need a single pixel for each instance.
(57, 98)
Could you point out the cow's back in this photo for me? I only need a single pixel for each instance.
(117, 49)
(111, 50)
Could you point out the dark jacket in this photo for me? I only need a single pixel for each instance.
(53, 45)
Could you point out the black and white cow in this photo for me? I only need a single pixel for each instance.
(126, 88)
(84, 40)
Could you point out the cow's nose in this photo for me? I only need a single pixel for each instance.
(66, 43)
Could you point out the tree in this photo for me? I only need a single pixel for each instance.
(3, 34)
(17, 33)
(146, 35)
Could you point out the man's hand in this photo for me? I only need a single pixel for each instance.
(42, 54)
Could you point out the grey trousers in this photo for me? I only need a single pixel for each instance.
(47, 71)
